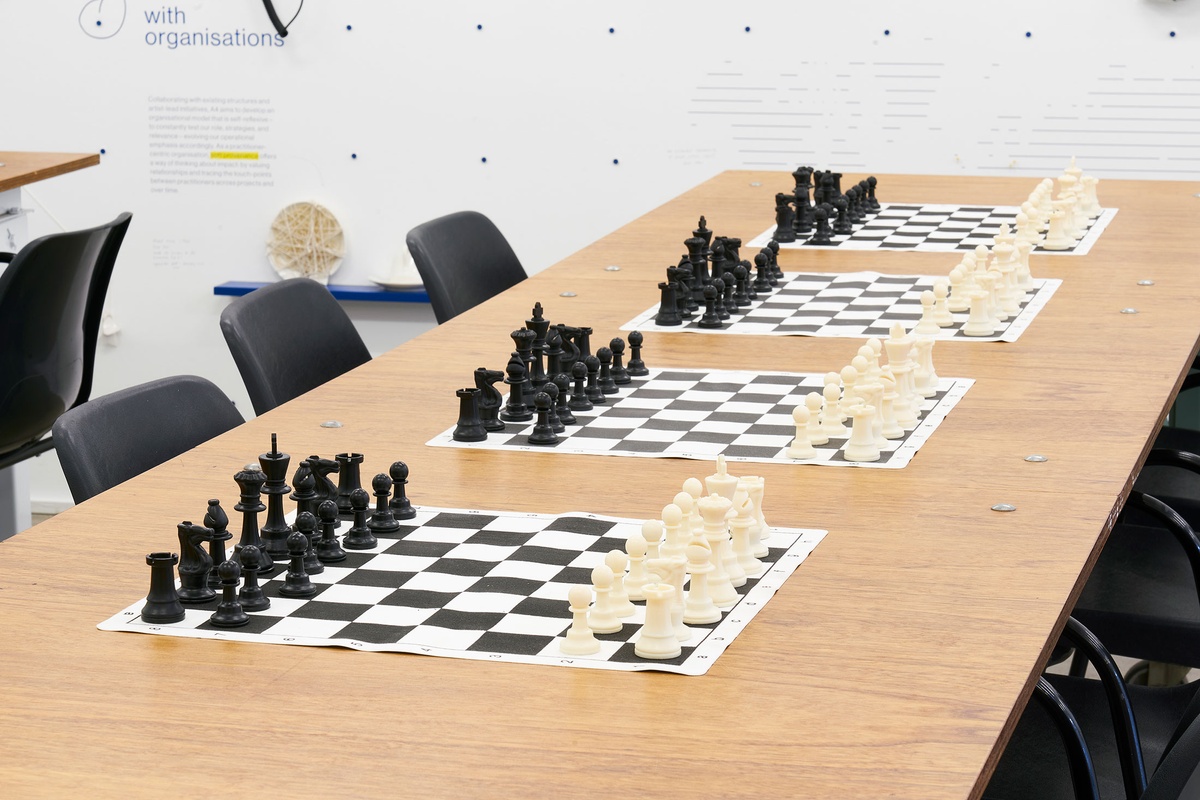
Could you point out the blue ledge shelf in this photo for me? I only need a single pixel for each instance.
(374, 294)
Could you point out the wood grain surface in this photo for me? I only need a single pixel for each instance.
(21, 169)
(892, 664)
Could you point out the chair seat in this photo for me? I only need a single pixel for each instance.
(1141, 599)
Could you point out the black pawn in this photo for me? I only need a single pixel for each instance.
(872, 203)
(382, 521)
(841, 225)
(516, 409)
(490, 400)
(542, 433)
(349, 479)
(637, 367)
(556, 424)
(251, 597)
(594, 393)
(218, 520)
(359, 537)
(620, 375)
(401, 506)
(306, 524)
(470, 424)
(722, 289)
(607, 384)
(776, 270)
(740, 296)
(327, 547)
(710, 318)
(162, 601)
(762, 280)
(297, 583)
(822, 235)
(579, 399)
(562, 405)
(229, 613)
(668, 308)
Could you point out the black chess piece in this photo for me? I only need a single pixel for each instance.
(584, 340)
(620, 375)
(842, 225)
(382, 521)
(579, 398)
(543, 433)
(637, 367)
(195, 563)
(275, 530)
(554, 353)
(699, 263)
(556, 424)
(250, 481)
(724, 297)
(682, 293)
(321, 469)
(762, 279)
(229, 613)
(710, 319)
(733, 246)
(594, 393)
(718, 257)
(687, 282)
(539, 325)
(218, 520)
(702, 231)
(523, 339)
(872, 202)
(490, 399)
(305, 493)
(607, 384)
(251, 597)
(803, 218)
(668, 307)
(306, 523)
(822, 235)
(359, 537)
(327, 547)
(162, 601)
(349, 479)
(401, 507)
(562, 404)
(516, 409)
(296, 583)
(785, 219)
(741, 297)
(570, 350)
(470, 424)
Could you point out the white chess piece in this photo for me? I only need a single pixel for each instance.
(616, 560)
(941, 304)
(699, 608)
(979, 323)
(756, 487)
(674, 538)
(813, 402)
(801, 446)
(741, 528)
(721, 482)
(927, 325)
(579, 640)
(926, 378)
(635, 547)
(652, 531)
(957, 302)
(861, 446)
(713, 510)
(1056, 236)
(831, 420)
(603, 618)
(657, 637)
(891, 428)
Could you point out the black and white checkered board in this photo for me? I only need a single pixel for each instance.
(484, 585)
(856, 305)
(686, 413)
(936, 228)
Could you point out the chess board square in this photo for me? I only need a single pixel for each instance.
(559, 540)
(450, 519)
(521, 570)
(755, 440)
(653, 435)
(681, 415)
(477, 601)
(511, 584)
(442, 581)
(822, 308)
(644, 403)
(317, 609)
(535, 625)
(590, 559)
(546, 607)
(463, 620)
(387, 562)
(441, 638)
(627, 412)
(668, 424)
(749, 451)
(504, 538)
(731, 382)
(698, 396)
(356, 558)
(498, 642)
(767, 379)
(613, 423)
(783, 431)
(727, 416)
(374, 577)
(633, 446)
(480, 552)
(397, 616)
(429, 533)
(306, 627)
(355, 594)
(373, 634)
(691, 448)
(414, 547)
(583, 524)
(713, 437)
(545, 555)
(552, 650)
(692, 405)
(682, 379)
(566, 577)
(717, 426)
(331, 574)
(461, 567)
(856, 315)
(592, 443)
(743, 407)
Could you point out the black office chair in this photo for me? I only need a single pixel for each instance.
(289, 338)
(110, 439)
(463, 260)
(51, 300)
(1084, 738)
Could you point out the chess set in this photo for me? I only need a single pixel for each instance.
(499, 586)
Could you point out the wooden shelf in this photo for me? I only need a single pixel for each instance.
(373, 294)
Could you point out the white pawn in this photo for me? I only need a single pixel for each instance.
(957, 301)
(652, 531)
(801, 446)
(657, 637)
(831, 420)
(635, 546)
(695, 488)
(690, 529)
(675, 539)
(616, 560)
(941, 303)
(699, 608)
(813, 402)
(603, 618)
(579, 640)
(867, 353)
(927, 325)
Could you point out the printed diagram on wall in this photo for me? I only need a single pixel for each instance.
(306, 241)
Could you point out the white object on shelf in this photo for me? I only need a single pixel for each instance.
(402, 276)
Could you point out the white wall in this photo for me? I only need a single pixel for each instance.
(421, 95)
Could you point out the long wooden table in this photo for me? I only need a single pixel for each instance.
(892, 664)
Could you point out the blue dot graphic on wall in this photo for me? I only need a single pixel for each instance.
(102, 19)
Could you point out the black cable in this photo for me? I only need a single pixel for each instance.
(293, 19)
(280, 28)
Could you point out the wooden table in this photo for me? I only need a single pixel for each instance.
(892, 664)
(20, 169)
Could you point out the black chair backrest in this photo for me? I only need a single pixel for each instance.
(463, 260)
(51, 301)
(112, 438)
(288, 338)
(1178, 774)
